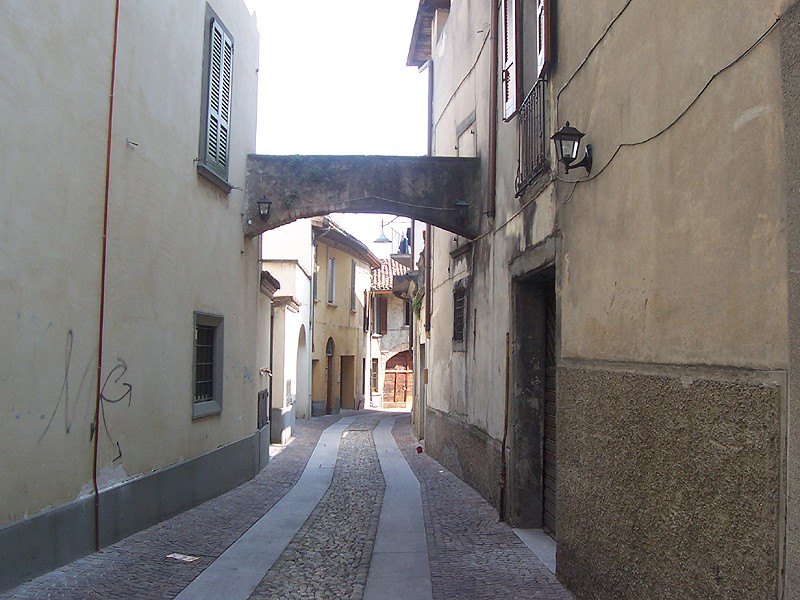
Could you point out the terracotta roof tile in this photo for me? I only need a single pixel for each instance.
(383, 276)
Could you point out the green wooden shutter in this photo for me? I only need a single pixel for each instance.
(220, 80)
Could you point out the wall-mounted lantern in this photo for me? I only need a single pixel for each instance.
(568, 141)
(264, 207)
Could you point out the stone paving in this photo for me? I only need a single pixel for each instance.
(471, 555)
(330, 555)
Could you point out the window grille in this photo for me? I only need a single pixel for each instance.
(532, 138)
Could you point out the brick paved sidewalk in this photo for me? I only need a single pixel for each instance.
(136, 568)
(472, 556)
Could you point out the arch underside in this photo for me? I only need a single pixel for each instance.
(442, 191)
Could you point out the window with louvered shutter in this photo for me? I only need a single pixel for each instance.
(510, 78)
(219, 100)
(217, 94)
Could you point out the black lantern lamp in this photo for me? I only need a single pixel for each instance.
(264, 206)
(568, 141)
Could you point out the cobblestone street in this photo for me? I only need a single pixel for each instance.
(470, 555)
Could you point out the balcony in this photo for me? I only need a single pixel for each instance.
(532, 140)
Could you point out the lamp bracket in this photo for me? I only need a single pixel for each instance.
(586, 161)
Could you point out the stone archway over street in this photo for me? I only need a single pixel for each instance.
(442, 191)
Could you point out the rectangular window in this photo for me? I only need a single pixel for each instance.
(366, 312)
(331, 279)
(373, 376)
(459, 317)
(212, 161)
(533, 142)
(352, 285)
(207, 378)
(407, 314)
(380, 315)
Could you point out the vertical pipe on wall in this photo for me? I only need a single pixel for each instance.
(428, 228)
(104, 253)
(491, 176)
(503, 465)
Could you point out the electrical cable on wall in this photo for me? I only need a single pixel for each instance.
(688, 107)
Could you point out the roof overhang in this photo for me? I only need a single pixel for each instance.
(420, 49)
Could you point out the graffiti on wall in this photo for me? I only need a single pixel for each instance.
(115, 389)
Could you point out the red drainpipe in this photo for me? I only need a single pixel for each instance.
(104, 254)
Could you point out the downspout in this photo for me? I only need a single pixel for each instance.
(271, 366)
(428, 228)
(104, 253)
(491, 176)
(503, 462)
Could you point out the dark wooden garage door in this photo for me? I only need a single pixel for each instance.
(550, 458)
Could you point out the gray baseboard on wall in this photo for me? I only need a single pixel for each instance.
(465, 450)
(55, 537)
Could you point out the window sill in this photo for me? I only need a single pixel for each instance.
(215, 179)
(205, 409)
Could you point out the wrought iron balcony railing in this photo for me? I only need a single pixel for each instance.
(532, 139)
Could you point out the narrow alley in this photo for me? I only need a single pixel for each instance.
(337, 513)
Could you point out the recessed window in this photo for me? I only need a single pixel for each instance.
(352, 285)
(331, 280)
(459, 317)
(207, 377)
(407, 314)
(373, 378)
(380, 315)
(214, 154)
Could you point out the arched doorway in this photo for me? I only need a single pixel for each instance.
(398, 381)
(330, 377)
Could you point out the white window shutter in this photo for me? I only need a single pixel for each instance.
(509, 75)
(543, 48)
(220, 80)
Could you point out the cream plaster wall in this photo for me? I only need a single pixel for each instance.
(175, 245)
(287, 255)
(693, 218)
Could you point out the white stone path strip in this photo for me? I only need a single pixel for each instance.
(238, 570)
(399, 568)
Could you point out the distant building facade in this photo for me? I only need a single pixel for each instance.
(392, 382)
(341, 349)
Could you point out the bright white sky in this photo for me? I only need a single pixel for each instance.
(333, 80)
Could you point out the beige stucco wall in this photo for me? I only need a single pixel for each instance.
(693, 217)
(175, 245)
